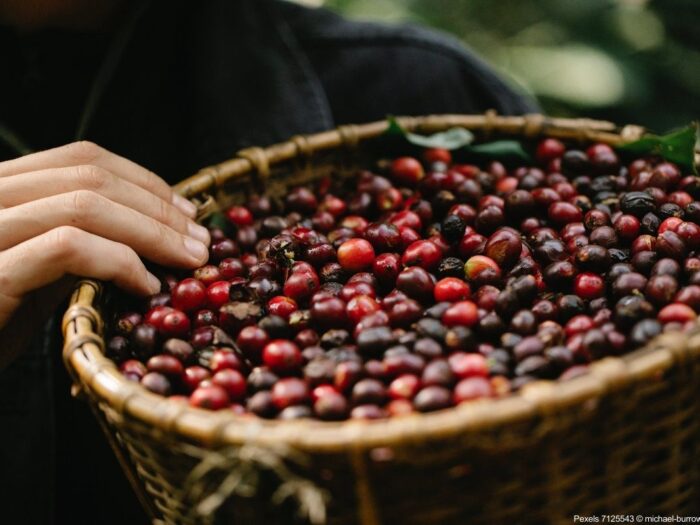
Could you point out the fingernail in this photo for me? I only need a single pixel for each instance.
(198, 232)
(153, 283)
(184, 205)
(196, 249)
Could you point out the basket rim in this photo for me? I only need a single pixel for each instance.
(99, 378)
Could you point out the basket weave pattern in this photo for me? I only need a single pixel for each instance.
(624, 438)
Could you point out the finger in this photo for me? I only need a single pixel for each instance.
(26, 187)
(70, 251)
(98, 215)
(88, 153)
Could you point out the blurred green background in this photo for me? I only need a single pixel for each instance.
(630, 61)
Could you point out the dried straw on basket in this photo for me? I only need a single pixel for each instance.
(625, 438)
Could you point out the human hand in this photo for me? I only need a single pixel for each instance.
(79, 210)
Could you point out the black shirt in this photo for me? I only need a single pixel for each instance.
(47, 77)
(193, 83)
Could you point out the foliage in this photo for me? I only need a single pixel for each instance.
(630, 61)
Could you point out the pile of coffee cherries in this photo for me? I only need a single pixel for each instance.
(423, 285)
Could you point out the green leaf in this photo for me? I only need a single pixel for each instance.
(394, 127)
(460, 138)
(677, 146)
(500, 150)
(453, 138)
(218, 220)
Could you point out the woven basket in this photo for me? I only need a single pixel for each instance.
(623, 439)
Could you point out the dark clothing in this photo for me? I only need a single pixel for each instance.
(196, 82)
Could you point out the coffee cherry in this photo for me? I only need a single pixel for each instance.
(644, 331)
(404, 313)
(432, 398)
(545, 310)
(689, 232)
(604, 236)
(650, 223)
(438, 372)
(156, 383)
(355, 255)
(569, 306)
(465, 365)
(223, 359)
(407, 171)
(433, 155)
(422, 253)
(289, 391)
(628, 283)
(175, 324)
(404, 387)
(551, 251)
(523, 322)
(281, 356)
(223, 249)
(504, 247)
(644, 261)
(453, 227)
(661, 289)
(302, 200)
(133, 369)
(472, 388)
(118, 349)
(239, 215)
(418, 292)
(384, 237)
(189, 295)
(627, 227)
(251, 340)
(631, 309)
(261, 378)
(301, 285)
(489, 219)
(143, 341)
(680, 198)
(295, 412)
(520, 204)
(669, 244)
(574, 162)
(360, 307)
(416, 282)
(549, 149)
(689, 295)
(368, 412)
(232, 381)
(451, 289)
(282, 306)
(331, 407)
(676, 313)
(589, 285)
(368, 391)
(593, 258)
(261, 404)
(637, 203)
(472, 244)
(204, 318)
(559, 275)
(564, 212)
(166, 365)
(212, 397)
(463, 313)
(481, 270)
(208, 274)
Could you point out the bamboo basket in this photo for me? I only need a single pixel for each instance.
(622, 439)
